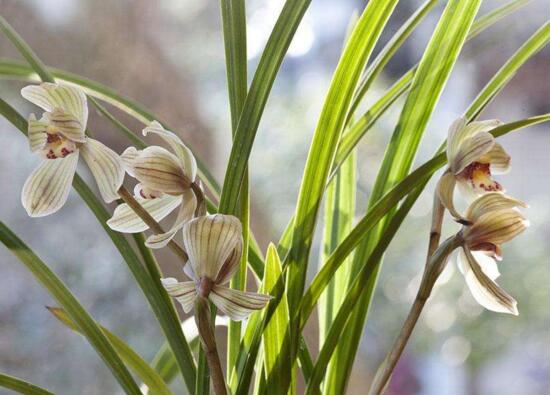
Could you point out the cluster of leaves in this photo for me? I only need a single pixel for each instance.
(271, 342)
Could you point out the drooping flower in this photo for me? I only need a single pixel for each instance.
(214, 246)
(59, 137)
(494, 219)
(473, 156)
(165, 183)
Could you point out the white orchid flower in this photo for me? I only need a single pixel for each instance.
(59, 136)
(494, 220)
(165, 182)
(473, 156)
(214, 245)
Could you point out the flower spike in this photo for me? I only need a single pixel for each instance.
(59, 136)
(214, 246)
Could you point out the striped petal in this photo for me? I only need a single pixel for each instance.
(49, 96)
(209, 241)
(158, 169)
(106, 166)
(485, 262)
(37, 133)
(125, 219)
(484, 290)
(495, 227)
(47, 188)
(184, 292)
(498, 159)
(445, 190)
(186, 212)
(491, 201)
(184, 154)
(127, 158)
(454, 137)
(67, 125)
(470, 150)
(237, 304)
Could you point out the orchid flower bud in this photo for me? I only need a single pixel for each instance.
(214, 246)
(59, 137)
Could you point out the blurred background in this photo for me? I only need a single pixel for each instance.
(169, 56)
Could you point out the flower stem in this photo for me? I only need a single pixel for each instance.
(150, 221)
(208, 342)
(434, 267)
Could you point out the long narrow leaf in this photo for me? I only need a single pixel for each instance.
(154, 382)
(323, 148)
(65, 298)
(433, 71)
(21, 386)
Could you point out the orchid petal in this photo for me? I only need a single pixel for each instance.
(492, 201)
(445, 190)
(106, 167)
(484, 290)
(184, 154)
(471, 149)
(37, 133)
(50, 96)
(125, 219)
(495, 227)
(127, 158)
(47, 188)
(237, 304)
(498, 159)
(67, 125)
(158, 169)
(186, 212)
(209, 241)
(184, 292)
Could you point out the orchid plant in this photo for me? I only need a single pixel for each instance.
(210, 233)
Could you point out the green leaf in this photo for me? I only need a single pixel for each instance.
(23, 387)
(275, 360)
(323, 148)
(385, 55)
(154, 382)
(357, 130)
(157, 297)
(65, 298)
(249, 120)
(338, 221)
(428, 82)
(234, 34)
(535, 43)
(352, 297)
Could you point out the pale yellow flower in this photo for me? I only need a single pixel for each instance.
(494, 220)
(165, 183)
(473, 156)
(214, 245)
(59, 137)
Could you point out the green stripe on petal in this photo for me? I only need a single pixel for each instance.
(160, 170)
(237, 304)
(470, 150)
(125, 220)
(484, 290)
(68, 125)
(491, 202)
(184, 154)
(47, 188)
(186, 212)
(106, 167)
(37, 133)
(185, 292)
(49, 96)
(209, 241)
